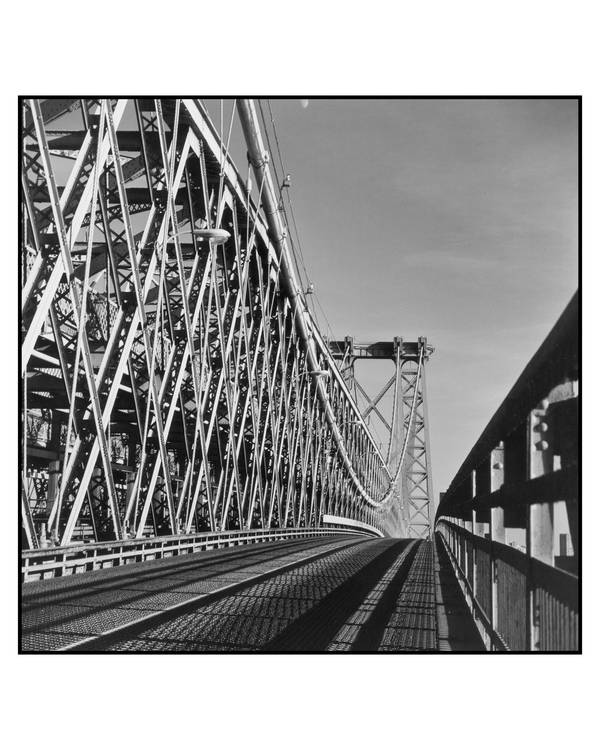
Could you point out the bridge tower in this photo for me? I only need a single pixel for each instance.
(407, 451)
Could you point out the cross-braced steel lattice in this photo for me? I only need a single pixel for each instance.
(174, 378)
(405, 422)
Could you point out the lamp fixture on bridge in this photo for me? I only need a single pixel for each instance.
(320, 373)
(216, 236)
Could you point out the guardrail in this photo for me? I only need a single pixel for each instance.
(503, 586)
(510, 518)
(51, 562)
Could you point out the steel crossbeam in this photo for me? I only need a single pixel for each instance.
(183, 384)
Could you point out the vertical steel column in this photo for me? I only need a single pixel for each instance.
(417, 464)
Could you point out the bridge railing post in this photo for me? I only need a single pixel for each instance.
(474, 531)
(540, 516)
(520, 482)
(497, 529)
(469, 547)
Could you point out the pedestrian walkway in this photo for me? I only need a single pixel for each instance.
(456, 629)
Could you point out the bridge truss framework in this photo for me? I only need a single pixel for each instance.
(175, 381)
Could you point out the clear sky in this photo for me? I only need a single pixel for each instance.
(452, 219)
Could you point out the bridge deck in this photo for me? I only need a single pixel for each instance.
(331, 594)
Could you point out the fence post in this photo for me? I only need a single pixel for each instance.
(474, 532)
(468, 526)
(497, 530)
(540, 521)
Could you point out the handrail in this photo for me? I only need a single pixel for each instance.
(79, 558)
(520, 486)
(556, 361)
(499, 582)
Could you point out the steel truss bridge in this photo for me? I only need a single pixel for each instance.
(179, 398)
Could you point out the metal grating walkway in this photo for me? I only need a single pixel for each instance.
(347, 594)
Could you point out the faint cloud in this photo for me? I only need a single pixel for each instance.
(304, 103)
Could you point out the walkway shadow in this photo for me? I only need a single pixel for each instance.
(316, 628)
(461, 633)
(84, 602)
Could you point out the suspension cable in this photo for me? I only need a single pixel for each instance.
(298, 256)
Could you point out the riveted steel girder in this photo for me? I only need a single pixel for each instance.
(174, 380)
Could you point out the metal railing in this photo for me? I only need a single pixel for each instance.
(51, 562)
(502, 586)
(510, 518)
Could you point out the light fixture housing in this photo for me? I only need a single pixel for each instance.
(217, 236)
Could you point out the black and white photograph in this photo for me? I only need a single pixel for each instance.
(270, 407)
(298, 375)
